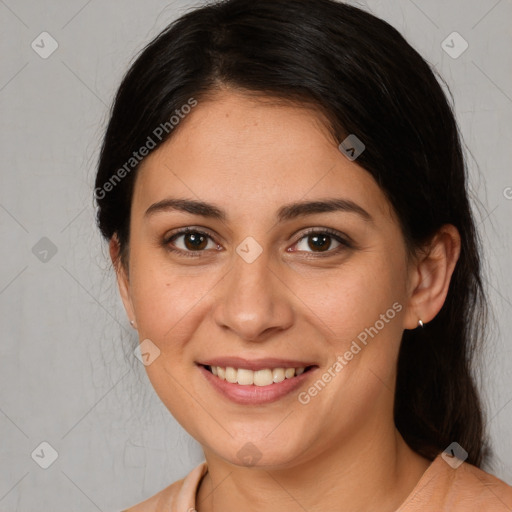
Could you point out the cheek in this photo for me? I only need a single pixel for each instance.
(361, 310)
(354, 297)
(168, 305)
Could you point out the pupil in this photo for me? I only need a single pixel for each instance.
(317, 245)
(196, 240)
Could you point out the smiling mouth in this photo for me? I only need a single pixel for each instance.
(263, 377)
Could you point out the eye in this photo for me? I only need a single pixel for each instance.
(320, 241)
(194, 241)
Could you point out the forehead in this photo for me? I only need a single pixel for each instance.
(242, 151)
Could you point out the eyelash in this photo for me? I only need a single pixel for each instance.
(345, 244)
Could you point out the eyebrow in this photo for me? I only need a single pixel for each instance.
(288, 212)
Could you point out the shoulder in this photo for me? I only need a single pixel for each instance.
(179, 495)
(163, 497)
(483, 488)
(457, 488)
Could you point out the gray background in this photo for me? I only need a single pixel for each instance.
(65, 377)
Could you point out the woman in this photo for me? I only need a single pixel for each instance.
(283, 190)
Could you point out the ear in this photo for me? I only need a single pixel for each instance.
(123, 282)
(430, 276)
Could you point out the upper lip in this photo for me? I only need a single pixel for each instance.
(255, 364)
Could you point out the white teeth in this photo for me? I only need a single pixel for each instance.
(278, 374)
(264, 377)
(245, 377)
(289, 373)
(231, 374)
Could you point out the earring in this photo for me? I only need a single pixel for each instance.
(420, 323)
(133, 323)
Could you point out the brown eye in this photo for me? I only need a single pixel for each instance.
(319, 242)
(195, 241)
(322, 242)
(316, 242)
(192, 241)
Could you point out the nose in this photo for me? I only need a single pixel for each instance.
(255, 302)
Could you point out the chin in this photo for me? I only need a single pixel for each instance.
(258, 452)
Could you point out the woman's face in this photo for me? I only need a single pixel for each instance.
(260, 291)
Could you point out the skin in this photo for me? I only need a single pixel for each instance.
(250, 157)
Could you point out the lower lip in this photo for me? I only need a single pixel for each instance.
(251, 394)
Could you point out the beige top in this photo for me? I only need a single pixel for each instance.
(441, 489)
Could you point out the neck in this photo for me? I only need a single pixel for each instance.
(359, 475)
